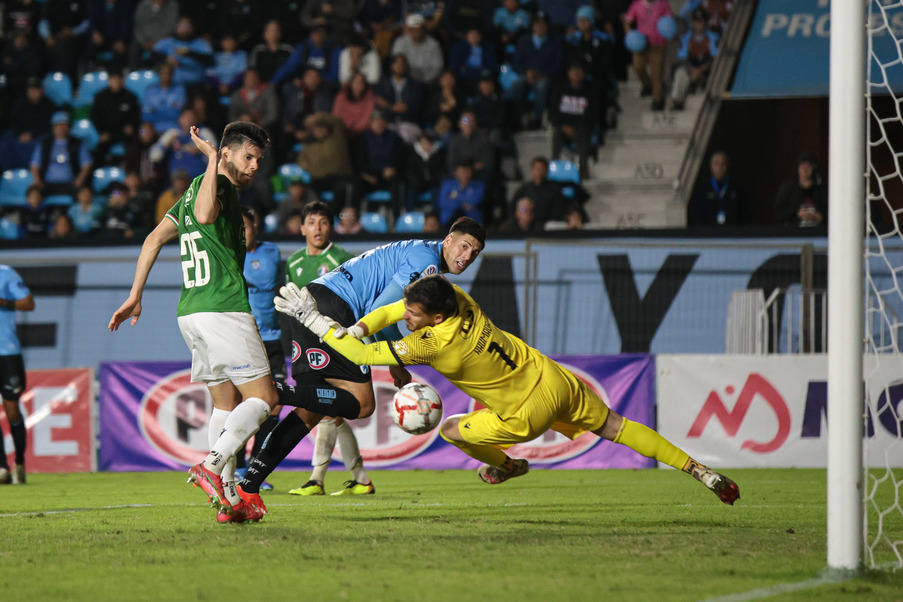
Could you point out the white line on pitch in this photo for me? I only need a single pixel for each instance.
(783, 588)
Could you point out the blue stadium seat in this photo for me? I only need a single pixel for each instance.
(137, 82)
(377, 196)
(58, 88)
(562, 170)
(9, 230)
(410, 222)
(91, 84)
(507, 77)
(84, 130)
(375, 223)
(288, 172)
(104, 176)
(13, 186)
(58, 200)
(270, 223)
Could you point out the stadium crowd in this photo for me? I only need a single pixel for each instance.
(407, 106)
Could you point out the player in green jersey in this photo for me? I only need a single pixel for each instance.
(214, 316)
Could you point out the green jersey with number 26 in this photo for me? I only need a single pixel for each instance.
(213, 256)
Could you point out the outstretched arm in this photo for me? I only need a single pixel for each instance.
(206, 206)
(165, 231)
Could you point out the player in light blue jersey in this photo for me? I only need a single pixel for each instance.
(14, 296)
(373, 279)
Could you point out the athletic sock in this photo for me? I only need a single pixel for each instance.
(488, 454)
(287, 434)
(231, 493)
(241, 423)
(262, 433)
(326, 438)
(3, 461)
(646, 441)
(351, 453)
(216, 425)
(19, 438)
(321, 398)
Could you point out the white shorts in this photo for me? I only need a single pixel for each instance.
(225, 346)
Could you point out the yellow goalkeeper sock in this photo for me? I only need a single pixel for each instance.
(644, 440)
(480, 451)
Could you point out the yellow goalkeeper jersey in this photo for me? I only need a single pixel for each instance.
(485, 362)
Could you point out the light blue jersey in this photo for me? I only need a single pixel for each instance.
(11, 287)
(378, 276)
(264, 277)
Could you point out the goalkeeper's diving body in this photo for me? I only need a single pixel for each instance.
(525, 393)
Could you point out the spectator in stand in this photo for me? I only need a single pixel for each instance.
(803, 200)
(120, 220)
(643, 16)
(401, 97)
(355, 104)
(359, 57)
(326, 158)
(302, 98)
(489, 110)
(62, 228)
(34, 218)
(509, 21)
(86, 213)
(422, 51)
(179, 183)
(64, 28)
(189, 54)
(470, 143)
(461, 16)
(239, 18)
(575, 217)
(22, 59)
(349, 221)
(299, 195)
(469, 57)
(203, 15)
(162, 102)
(60, 163)
(537, 62)
(433, 12)
(377, 152)
(154, 20)
(29, 120)
(284, 12)
(176, 149)
(380, 20)
(573, 112)
(21, 15)
(716, 200)
(337, 16)
(138, 157)
(270, 54)
(523, 221)
(318, 51)
(116, 116)
(111, 32)
(229, 63)
(547, 197)
(595, 50)
(698, 48)
(255, 101)
(431, 222)
(424, 169)
(141, 201)
(461, 195)
(561, 13)
(717, 13)
(445, 105)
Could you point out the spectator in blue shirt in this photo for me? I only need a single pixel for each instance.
(228, 65)
(187, 53)
(509, 21)
(461, 195)
(111, 32)
(178, 151)
(317, 51)
(538, 63)
(469, 57)
(61, 163)
(161, 103)
(86, 214)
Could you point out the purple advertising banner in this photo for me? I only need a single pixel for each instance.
(153, 418)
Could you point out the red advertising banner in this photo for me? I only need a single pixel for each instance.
(58, 407)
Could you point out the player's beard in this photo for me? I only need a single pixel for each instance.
(241, 181)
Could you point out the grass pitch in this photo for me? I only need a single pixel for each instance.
(427, 535)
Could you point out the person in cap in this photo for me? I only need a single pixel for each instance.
(61, 162)
(359, 56)
(422, 51)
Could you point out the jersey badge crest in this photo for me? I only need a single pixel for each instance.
(255, 264)
(322, 270)
(401, 348)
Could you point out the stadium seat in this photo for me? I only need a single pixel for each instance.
(9, 230)
(270, 223)
(375, 223)
(137, 82)
(104, 176)
(91, 84)
(562, 170)
(377, 196)
(410, 222)
(58, 200)
(507, 77)
(13, 186)
(58, 88)
(84, 130)
(287, 172)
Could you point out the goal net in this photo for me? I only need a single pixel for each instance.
(883, 365)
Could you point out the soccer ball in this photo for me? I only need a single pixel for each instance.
(416, 408)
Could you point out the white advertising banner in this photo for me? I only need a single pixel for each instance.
(770, 411)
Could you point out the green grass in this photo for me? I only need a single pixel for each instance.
(425, 535)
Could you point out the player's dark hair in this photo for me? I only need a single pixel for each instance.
(239, 132)
(468, 225)
(434, 293)
(317, 208)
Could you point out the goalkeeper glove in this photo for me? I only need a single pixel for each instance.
(353, 331)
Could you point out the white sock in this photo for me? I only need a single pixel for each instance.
(351, 454)
(326, 433)
(215, 426)
(240, 425)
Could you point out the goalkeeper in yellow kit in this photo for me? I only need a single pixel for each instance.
(525, 393)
